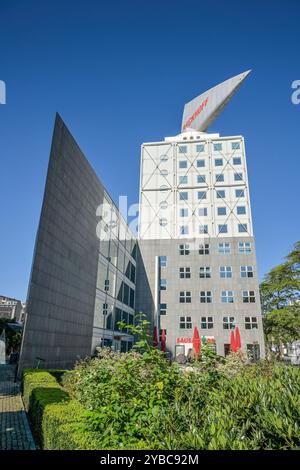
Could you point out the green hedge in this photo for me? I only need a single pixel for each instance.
(58, 423)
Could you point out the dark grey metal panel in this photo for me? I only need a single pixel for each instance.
(61, 296)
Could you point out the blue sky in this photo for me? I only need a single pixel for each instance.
(119, 73)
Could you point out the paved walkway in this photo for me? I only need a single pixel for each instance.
(15, 433)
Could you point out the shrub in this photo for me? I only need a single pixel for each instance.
(57, 422)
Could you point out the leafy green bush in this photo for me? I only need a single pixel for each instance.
(142, 400)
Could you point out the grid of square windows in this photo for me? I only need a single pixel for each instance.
(182, 149)
(205, 272)
(202, 211)
(224, 248)
(200, 163)
(244, 247)
(185, 273)
(200, 148)
(185, 297)
(183, 212)
(184, 229)
(227, 296)
(239, 193)
(238, 176)
(184, 249)
(248, 296)
(235, 145)
(220, 194)
(242, 228)
(202, 194)
(241, 210)
(237, 160)
(204, 249)
(218, 161)
(228, 323)
(183, 179)
(206, 297)
(183, 195)
(251, 323)
(207, 323)
(246, 271)
(225, 272)
(185, 323)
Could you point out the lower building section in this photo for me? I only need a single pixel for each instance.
(210, 283)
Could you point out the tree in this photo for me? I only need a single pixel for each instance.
(280, 299)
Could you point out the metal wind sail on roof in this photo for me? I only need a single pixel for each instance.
(199, 113)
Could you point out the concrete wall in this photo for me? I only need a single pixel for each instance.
(61, 296)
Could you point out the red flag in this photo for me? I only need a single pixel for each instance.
(232, 342)
(237, 339)
(155, 340)
(163, 341)
(196, 341)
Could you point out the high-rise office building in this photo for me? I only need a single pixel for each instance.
(197, 263)
(193, 264)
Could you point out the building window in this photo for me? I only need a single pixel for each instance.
(220, 178)
(220, 194)
(203, 228)
(164, 158)
(235, 145)
(182, 149)
(239, 193)
(201, 178)
(251, 323)
(241, 210)
(224, 248)
(200, 163)
(225, 272)
(242, 228)
(185, 323)
(106, 285)
(223, 228)
(184, 229)
(105, 309)
(163, 309)
(238, 176)
(184, 249)
(204, 249)
(163, 284)
(205, 272)
(227, 296)
(207, 323)
(217, 147)
(237, 161)
(246, 271)
(201, 194)
(185, 297)
(205, 297)
(221, 210)
(163, 260)
(182, 163)
(183, 195)
(200, 148)
(164, 172)
(185, 273)
(183, 212)
(218, 161)
(228, 323)
(183, 179)
(248, 296)
(202, 211)
(244, 247)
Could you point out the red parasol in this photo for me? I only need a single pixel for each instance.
(196, 341)
(163, 341)
(155, 340)
(237, 339)
(232, 342)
